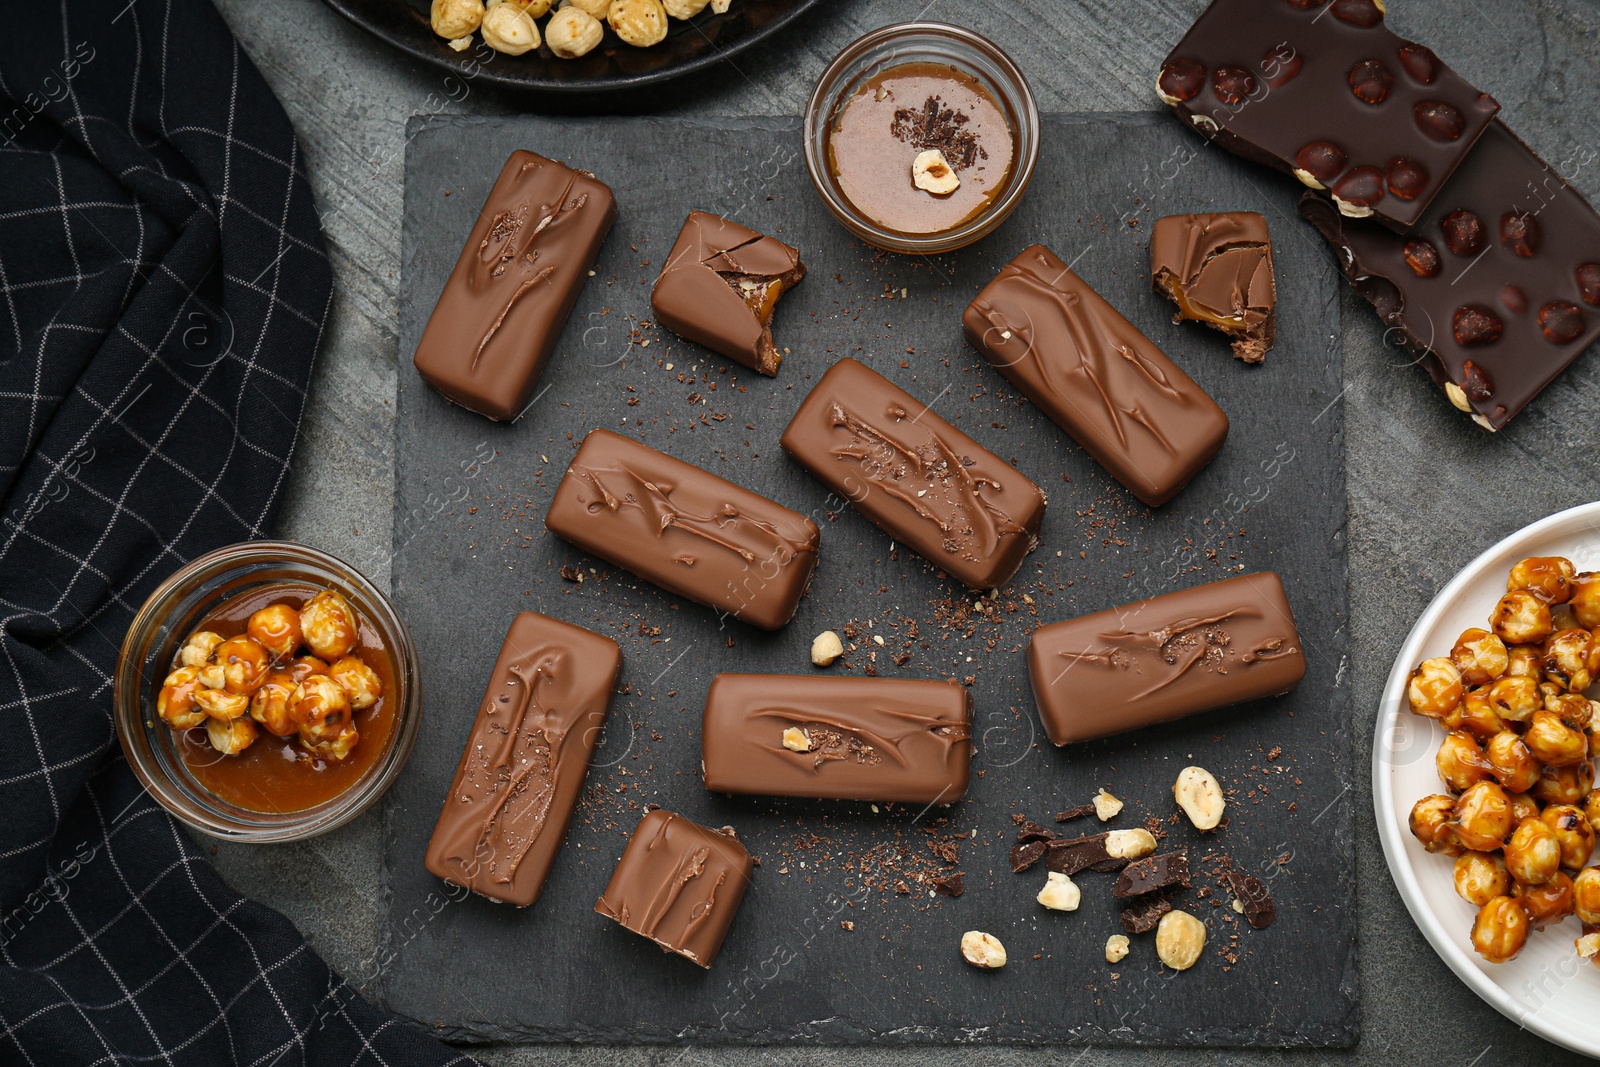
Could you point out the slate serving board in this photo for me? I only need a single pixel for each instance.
(472, 551)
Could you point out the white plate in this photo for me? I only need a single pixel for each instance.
(1547, 989)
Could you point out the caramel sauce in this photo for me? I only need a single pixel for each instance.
(275, 774)
(871, 161)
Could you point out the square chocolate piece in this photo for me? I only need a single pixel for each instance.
(523, 766)
(1325, 91)
(1218, 269)
(1497, 290)
(720, 285)
(511, 291)
(679, 884)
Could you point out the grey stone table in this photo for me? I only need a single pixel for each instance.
(1427, 490)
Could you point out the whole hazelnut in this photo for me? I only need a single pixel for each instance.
(1363, 13)
(1474, 325)
(1439, 121)
(1561, 322)
(1422, 257)
(1232, 85)
(1513, 298)
(573, 32)
(1463, 232)
(329, 625)
(1588, 278)
(509, 30)
(1357, 191)
(1281, 65)
(1475, 382)
(1179, 81)
(1406, 178)
(455, 18)
(1371, 81)
(1519, 231)
(641, 23)
(684, 9)
(1420, 62)
(1321, 161)
(276, 628)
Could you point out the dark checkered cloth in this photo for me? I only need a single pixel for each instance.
(163, 286)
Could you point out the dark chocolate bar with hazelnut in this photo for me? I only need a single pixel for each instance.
(1496, 290)
(523, 766)
(1209, 646)
(1098, 378)
(1089, 852)
(679, 884)
(720, 285)
(924, 482)
(1325, 91)
(894, 740)
(685, 529)
(1218, 269)
(504, 305)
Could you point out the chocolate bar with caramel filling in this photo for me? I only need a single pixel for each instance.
(504, 305)
(679, 884)
(1173, 655)
(1218, 269)
(926, 483)
(519, 777)
(1098, 378)
(896, 740)
(719, 287)
(685, 529)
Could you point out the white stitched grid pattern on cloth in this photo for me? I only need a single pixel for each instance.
(163, 286)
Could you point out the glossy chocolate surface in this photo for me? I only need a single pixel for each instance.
(896, 740)
(1274, 80)
(685, 529)
(1541, 292)
(507, 810)
(508, 298)
(679, 884)
(720, 285)
(926, 483)
(1097, 377)
(893, 117)
(1218, 269)
(1159, 659)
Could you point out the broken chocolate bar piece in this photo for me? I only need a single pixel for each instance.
(1218, 270)
(1144, 914)
(1079, 853)
(1153, 872)
(950, 885)
(685, 529)
(930, 486)
(1032, 831)
(523, 767)
(1075, 813)
(1098, 378)
(1252, 898)
(898, 740)
(720, 285)
(1173, 655)
(1497, 290)
(679, 884)
(1026, 855)
(503, 307)
(1328, 93)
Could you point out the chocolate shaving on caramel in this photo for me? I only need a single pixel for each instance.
(936, 126)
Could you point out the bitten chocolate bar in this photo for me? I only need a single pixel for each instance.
(514, 790)
(896, 740)
(1497, 290)
(1163, 658)
(1102, 381)
(508, 298)
(926, 483)
(685, 529)
(1326, 91)
(720, 285)
(1218, 269)
(679, 884)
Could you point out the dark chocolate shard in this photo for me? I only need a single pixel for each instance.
(1218, 269)
(1077, 854)
(1144, 914)
(1251, 898)
(950, 885)
(1075, 813)
(1025, 856)
(1153, 872)
(719, 286)
(1032, 831)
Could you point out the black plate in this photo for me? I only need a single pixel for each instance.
(702, 42)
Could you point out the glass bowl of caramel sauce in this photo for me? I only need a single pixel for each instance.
(210, 706)
(921, 137)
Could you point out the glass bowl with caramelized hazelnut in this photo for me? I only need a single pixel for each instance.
(267, 692)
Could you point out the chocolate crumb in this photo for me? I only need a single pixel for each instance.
(936, 126)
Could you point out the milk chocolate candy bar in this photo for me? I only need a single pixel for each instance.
(895, 740)
(923, 481)
(505, 303)
(1102, 381)
(1218, 269)
(679, 884)
(1497, 290)
(685, 529)
(720, 285)
(1326, 91)
(519, 777)
(1159, 659)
